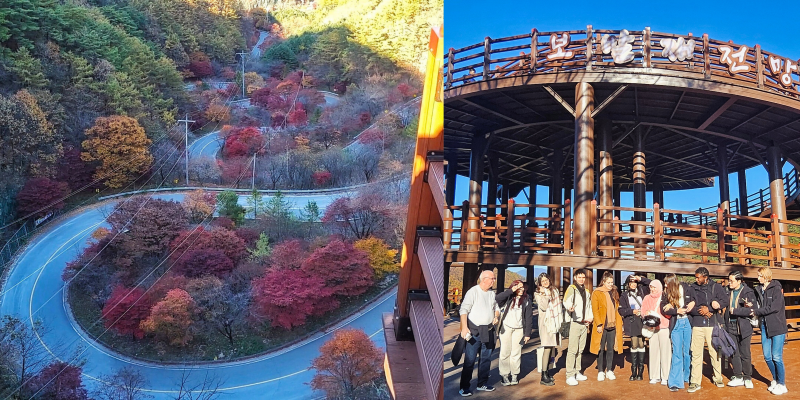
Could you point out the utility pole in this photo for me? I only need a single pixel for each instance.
(254, 170)
(243, 54)
(186, 121)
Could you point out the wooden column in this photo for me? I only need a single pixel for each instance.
(450, 181)
(658, 193)
(605, 189)
(566, 277)
(530, 278)
(639, 187)
(740, 174)
(724, 189)
(475, 188)
(617, 200)
(777, 197)
(584, 169)
(491, 195)
(534, 183)
(471, 272)
(501, 278)
(556, 182)
(505, 195)
(589, 278)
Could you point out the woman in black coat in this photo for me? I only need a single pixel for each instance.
(737, 323)
(514, 328)
(630, 303)
(771, 312)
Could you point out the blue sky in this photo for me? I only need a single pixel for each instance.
(772, 25)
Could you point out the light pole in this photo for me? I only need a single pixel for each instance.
(186, 120)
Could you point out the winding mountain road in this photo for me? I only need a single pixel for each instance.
(34, 290)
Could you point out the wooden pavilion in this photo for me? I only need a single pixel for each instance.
(592, 113)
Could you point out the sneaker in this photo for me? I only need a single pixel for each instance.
(581, 377)
(720, 384)
(654, 381)
(779, 390)
(772, 386)
(673, 389)
(694, 387)
(465, 393)
(504, 381)
(572, 381)
(610, 375)
(664, 382)
(601, 376)
(736, 382)
(514, 380)
(748, 384)
(486, 388)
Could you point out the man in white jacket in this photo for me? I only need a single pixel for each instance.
(479, 314)
(577, 301)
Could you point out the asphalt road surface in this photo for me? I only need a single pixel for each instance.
(34, 290)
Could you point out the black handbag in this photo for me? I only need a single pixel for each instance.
(564, 329)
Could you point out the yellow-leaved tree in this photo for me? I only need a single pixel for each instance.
(120, 144)
(382, 258)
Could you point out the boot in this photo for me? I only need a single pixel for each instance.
(634, 364)
(545, 380)
(641, 365)
(549, 377)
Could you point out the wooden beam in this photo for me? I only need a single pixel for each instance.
(560, 100)
(513, 100)
(756, 115)
(767, 133)
(608, 100)
(705, 141)
(628, 132)
(490, 111)
(735, 153)
(717, 113)
(674, 110)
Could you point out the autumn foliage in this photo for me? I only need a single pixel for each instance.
(196, 263)
(382, 258)
(171, 318)
(120, 144)
(200, 204)
(223, 240)
(40, 196)
(347, 362)
(58, 381)
(298, 286)
(242, 142)
(125, 309)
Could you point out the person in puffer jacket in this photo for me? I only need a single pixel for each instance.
(771, 311)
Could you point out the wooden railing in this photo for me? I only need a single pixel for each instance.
(535, 53)
(525, 228)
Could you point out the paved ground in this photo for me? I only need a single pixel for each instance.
(34, 290)
(622, 388)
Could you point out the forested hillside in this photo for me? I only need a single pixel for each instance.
(63, 64)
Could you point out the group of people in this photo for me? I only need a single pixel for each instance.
(674, 319)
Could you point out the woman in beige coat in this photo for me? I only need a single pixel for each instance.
(607, 324)
(551, 316)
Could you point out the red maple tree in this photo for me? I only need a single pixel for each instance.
(345, 270)
(125, 309)
(58, 381)
(286, 297)
(288, 254)
(197, 263)
(40, 196)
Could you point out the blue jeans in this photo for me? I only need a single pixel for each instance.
(773, 354)
(471, 350)
(681, 360)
